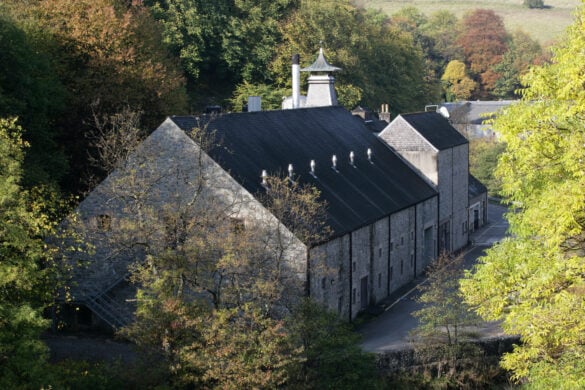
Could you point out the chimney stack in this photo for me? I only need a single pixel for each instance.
(384, 114)
(296, 81)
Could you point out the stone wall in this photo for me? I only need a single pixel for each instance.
(413, 360)
(364, 267)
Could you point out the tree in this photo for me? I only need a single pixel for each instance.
(25, 269)
(483, 159)
(523, 52)
(329, 355)
(456, 84)
(31, 91)
(483, 38)
(223, 43)
(108, 52)
(201, 271)
(271, 96)
(533, 280)
(444, 312)
(442, 27)
(378, 61)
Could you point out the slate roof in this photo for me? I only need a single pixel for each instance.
(476, 187)
(320, 65)
(271, 140)
(436, 129)
(477, 112)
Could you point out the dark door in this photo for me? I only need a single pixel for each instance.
(429, 249)
(364, 291)
(445, 238)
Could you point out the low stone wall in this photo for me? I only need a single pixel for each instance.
(439, 357)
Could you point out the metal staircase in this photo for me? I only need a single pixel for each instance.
(112, 311)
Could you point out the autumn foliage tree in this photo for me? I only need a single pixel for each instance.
(107, 56)
(533, 281)
(456, 83)
(483, 38)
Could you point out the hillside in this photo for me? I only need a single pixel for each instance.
(544, 25)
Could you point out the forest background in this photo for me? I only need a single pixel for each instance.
(72, 68)
(74, 73)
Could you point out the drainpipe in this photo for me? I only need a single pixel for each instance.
(350, 275)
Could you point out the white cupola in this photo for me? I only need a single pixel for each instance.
(321, 91)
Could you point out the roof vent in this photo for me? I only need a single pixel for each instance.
(370, 153)
(352, 158)
(254, 103)
(334, 163)
(312, 165)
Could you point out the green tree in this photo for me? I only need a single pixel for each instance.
(378, 61)
(271, 96)
(483, 159)
(444, 312)
(24, 270)
(533, 281)
(456, 83)
(442, 27)
(329, 355)
(222, 43)
(31, 91)
(523, 52)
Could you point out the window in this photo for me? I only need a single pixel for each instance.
(391, 246)
(391, 272)
(412, 235)
(353, 296)
(379, 252)
(353, 266)
(464, 227)
(411, 260)
(401, 240)
(323, 283)
(379, 280)
(401, 267)
(237, 225)
(104, 222)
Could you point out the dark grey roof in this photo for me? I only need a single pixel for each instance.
(376, 125)
(436, 129)
(476, 187)
(476, 112)
(271, 140)
(320, 65)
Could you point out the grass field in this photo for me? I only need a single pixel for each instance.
(544, 25)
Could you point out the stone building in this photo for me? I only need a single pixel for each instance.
(393, 201)
(441, 154)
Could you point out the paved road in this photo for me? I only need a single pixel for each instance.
(391, 329)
